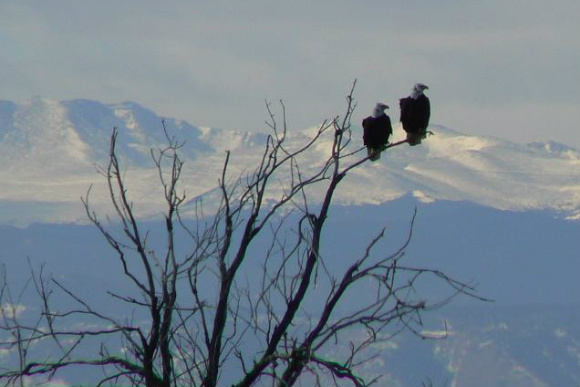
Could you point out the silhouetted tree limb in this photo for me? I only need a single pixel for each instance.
(237, 330)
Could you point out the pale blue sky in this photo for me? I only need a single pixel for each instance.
(507, 68)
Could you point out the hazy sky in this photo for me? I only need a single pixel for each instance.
(507, 68)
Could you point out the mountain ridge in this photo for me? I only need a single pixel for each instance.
(47, 144)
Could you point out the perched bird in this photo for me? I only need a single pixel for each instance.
(376, 131)
(415, 113)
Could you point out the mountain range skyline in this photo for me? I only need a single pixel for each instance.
(49, 150)
(506, 69)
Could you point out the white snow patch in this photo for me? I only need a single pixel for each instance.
(422, 197)
(131, 123)
(450, 145)
(6, 352)
(11, 311)
(436, 334)
(560, 333)
(225, 139)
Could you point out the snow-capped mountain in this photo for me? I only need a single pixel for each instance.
(49, 149)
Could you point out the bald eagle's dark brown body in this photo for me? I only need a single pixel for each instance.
(415, 114)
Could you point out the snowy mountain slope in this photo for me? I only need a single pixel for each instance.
(448, 166)
(495, 173)
(48, 150)
(37, 132)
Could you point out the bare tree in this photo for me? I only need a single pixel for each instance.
(218, 308)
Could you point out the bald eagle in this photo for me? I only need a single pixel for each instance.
(376, 131)
(415, 113)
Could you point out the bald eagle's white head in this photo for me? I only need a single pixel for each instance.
(379, 109)
(418, 89)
